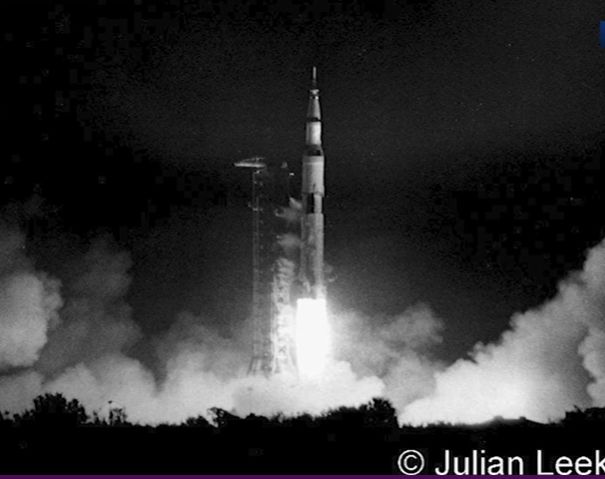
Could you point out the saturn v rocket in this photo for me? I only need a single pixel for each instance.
(276, 348)
(311, 271)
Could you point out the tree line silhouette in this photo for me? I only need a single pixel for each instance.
(59, 436)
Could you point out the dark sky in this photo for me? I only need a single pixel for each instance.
(462, 139)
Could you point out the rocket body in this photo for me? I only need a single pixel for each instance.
(313, 192)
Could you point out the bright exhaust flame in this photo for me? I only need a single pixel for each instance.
(313, 339)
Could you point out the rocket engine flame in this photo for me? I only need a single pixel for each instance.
(313, 338)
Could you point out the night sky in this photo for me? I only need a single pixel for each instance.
(463, 140)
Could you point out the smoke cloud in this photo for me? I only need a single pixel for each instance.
(550, 360)
(96, 320)
(398, 350)
(77, 338)
(80, 345)
(28, 305)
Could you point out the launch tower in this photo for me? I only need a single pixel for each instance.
(273, 269)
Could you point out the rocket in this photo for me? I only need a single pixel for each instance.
(311, 271)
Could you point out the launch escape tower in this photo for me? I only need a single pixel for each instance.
(274, 266)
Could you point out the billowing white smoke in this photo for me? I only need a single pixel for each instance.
(28, 305)
(95, 320)
(17, 391)
(551, 359)
(86, 356)
(339, 386)
(197, 379)
(94, 323)
(397, 350)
